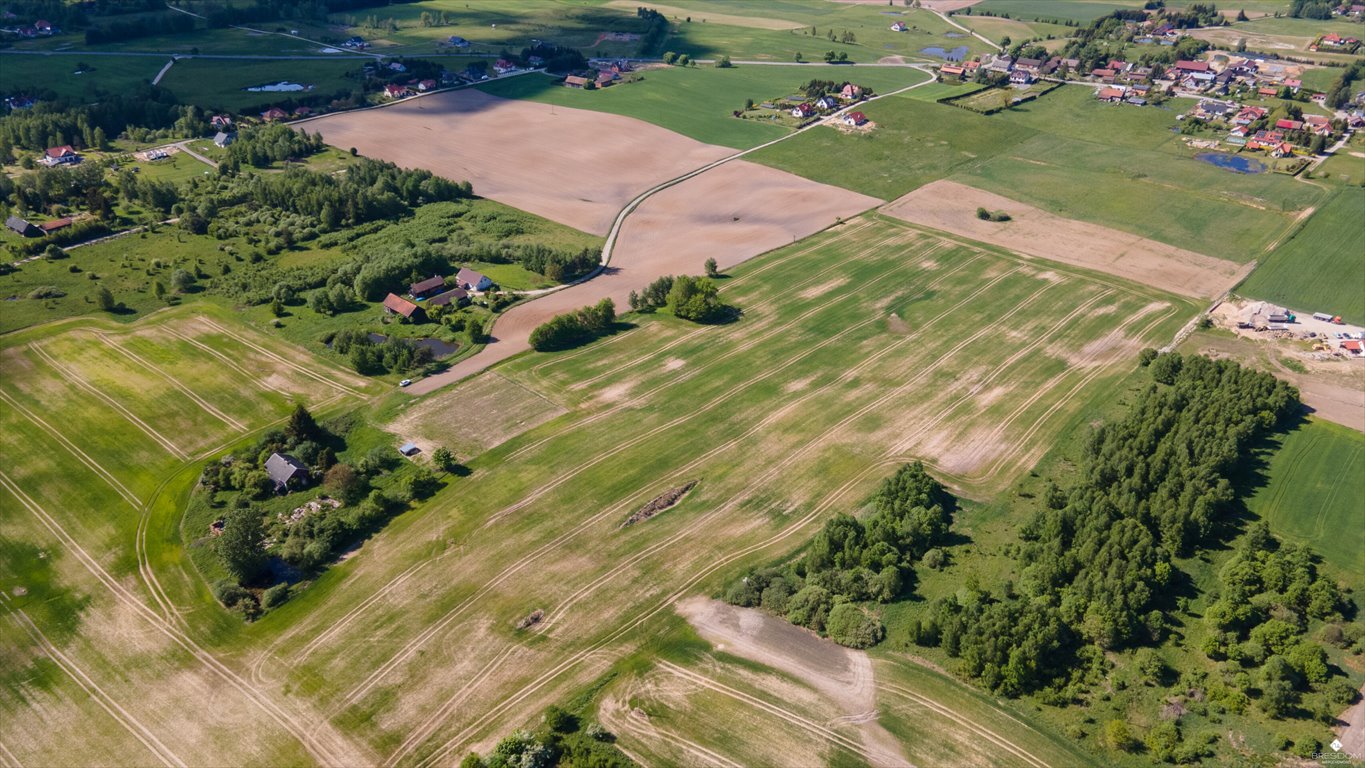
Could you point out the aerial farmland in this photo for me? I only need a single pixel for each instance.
(709, 383)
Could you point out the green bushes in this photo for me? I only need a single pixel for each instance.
(690, 298)
(985, 215)
(851, 626)
(574, 328)
(852, 561)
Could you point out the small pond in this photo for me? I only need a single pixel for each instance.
(954, 54)
(953, 35)
(439, 349)
(1234, 163)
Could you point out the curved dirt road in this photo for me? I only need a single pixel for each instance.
(729, 209)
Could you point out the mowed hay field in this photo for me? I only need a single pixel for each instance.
(863, 347)
(98, 426)
(1319, 269)
(522, 153)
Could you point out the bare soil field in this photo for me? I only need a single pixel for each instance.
(732, 213)
(572, 166)
(951, 207)
(841, 674)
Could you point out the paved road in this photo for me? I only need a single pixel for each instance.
(511, 330)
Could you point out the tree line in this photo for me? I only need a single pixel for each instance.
(574, 328)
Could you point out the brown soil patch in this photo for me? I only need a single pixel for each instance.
(732, 213)
(660, 503)
(573, 166)
(842, 675)
(897, 326)
(951, 207)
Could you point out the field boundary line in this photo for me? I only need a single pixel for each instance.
(431, 631)
(276, 713)
(809, 726)
(201, 402)
(643, 729)
(233, 364)
(693, 372)
(734, 329)
(81, 382)
(92, 689)
(547, 677)
(1082, 384)
(422, 732)
(856, 225)
(278, 358)
(10, 761)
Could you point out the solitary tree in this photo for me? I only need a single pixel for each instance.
(442, 458)
(105, 300)
(301, 425)
(711, 269)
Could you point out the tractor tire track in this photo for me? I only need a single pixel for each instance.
(201, 402)
(319, 751)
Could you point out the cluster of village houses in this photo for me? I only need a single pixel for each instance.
(848, 93)
(436, 292)
(1217, 83)
(39, 28)
(604, 72)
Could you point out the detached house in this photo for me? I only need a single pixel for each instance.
(899, 26)
(855, 119)
(803, 110)
(396, 91)
(470, 280)
(286, 472)
(273, 114)
(432, 285)
(826, 102)
(851, 92)
(63, 155)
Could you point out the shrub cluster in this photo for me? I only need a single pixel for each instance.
(574, 328)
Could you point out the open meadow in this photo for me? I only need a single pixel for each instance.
(221, 85)
(1310, 495)
(64, 75)
(860, 348)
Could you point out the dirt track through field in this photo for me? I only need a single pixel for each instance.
(951, 207)
(733, 213)
(842, 675)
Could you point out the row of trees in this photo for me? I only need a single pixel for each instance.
(856, 560)
(168, 23)
(574, 328)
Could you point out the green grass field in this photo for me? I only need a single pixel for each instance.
(816, 381)
(1311, 494)
(1055, 153)
(914, 143)
(105, 74)
(698, 102)
(1066, 10)
(221, 85)
(1319, 269)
